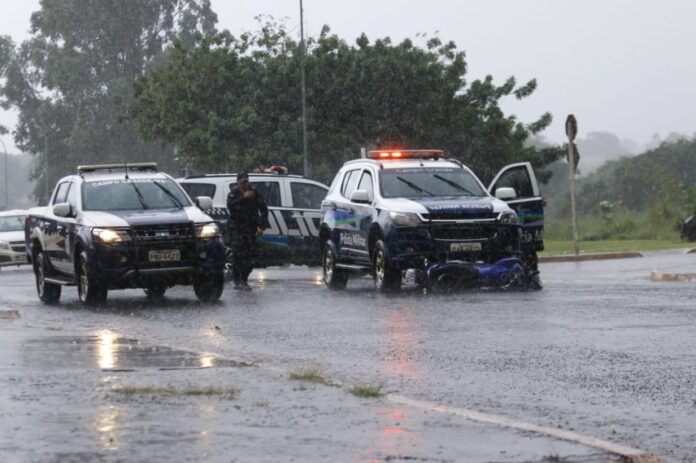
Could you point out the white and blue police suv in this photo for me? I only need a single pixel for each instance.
(397, 210)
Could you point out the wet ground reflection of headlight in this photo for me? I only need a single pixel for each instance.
(107, 354)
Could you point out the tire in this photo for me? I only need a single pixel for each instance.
(49, 293)
(208, 287)
(385, 276)
(155, 292)
(89, 289)
(334, 278)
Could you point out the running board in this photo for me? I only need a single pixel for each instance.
(57, 281)
(353, 267)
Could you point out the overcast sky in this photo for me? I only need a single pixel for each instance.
(623, 66)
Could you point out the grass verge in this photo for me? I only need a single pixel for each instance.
(554, 247)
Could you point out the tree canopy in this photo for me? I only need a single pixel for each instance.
(72, 79)
(230, 103)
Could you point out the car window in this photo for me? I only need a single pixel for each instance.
(366, 184)
(61, 193)
(72, 197)
(517, 178)
(269, 191)
(419, 182)
(11, 223)
(350, 182)
(195, 190)
(307, 195)
(132, 194)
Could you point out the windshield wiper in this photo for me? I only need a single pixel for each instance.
(413, 186)
(171, 195)
(140, 196)
(454, 184)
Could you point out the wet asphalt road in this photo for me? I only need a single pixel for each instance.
(602, 351)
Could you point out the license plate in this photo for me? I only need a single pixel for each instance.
(465, 247)
(22, 259)
(163, 256)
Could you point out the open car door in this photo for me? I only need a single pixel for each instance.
(527, 202)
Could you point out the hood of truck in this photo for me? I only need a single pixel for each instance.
(144, 217)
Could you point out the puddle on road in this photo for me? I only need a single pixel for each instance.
(108, 351)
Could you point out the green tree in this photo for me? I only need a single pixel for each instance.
(72, 79)
(234, 102)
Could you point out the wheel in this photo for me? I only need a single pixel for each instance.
(386, 277)
(49, 293)
(155, 292)
(208, 287)
(89, 289)
(333, 278)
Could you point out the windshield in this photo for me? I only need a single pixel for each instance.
(12, 223)
(132, 194)
(419, 181)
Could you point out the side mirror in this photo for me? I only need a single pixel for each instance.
(360, 196)
(505, 193)
(204, 203)
(62, 210)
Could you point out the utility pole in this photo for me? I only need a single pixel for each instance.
(304, 93)
(5, 149)
(571, 127)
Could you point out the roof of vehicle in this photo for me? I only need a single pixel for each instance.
(12, 212)
(102, 176)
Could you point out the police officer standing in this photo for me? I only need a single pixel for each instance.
(248, 219)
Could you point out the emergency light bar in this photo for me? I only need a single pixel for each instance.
(136, 166)
(405, 154)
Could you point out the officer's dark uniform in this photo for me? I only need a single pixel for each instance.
(246, 215)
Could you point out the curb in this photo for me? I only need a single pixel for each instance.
(593, 256)
(666, 276)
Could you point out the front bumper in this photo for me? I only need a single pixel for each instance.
(129, 265)
(442, 242)
(10, 257)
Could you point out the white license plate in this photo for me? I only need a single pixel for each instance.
(22, 259)
(465, 247)
(163, 256)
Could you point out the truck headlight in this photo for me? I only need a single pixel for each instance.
(4, 245)
(508, 218)
(109, 235)
(404, 219)
(207, 231)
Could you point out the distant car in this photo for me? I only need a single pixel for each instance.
(415, 209)
(688, 229)
(122, 226)
(294, 204)
(12, 248)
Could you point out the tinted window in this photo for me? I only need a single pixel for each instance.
(350, 182)
(195, 190)
(61, 193)
(366, 184)
(517, 178)
(418, 182)
(132, 194)
(269, 191)
(307, 195)
(10, 223)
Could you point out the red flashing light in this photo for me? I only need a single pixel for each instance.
(406, 154)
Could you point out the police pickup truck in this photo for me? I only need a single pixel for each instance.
(293, 213)
(121, 226)
(415, 209)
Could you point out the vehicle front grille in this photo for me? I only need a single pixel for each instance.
(460, 215)
(163, 233)
(18, 246)
(463, 231)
